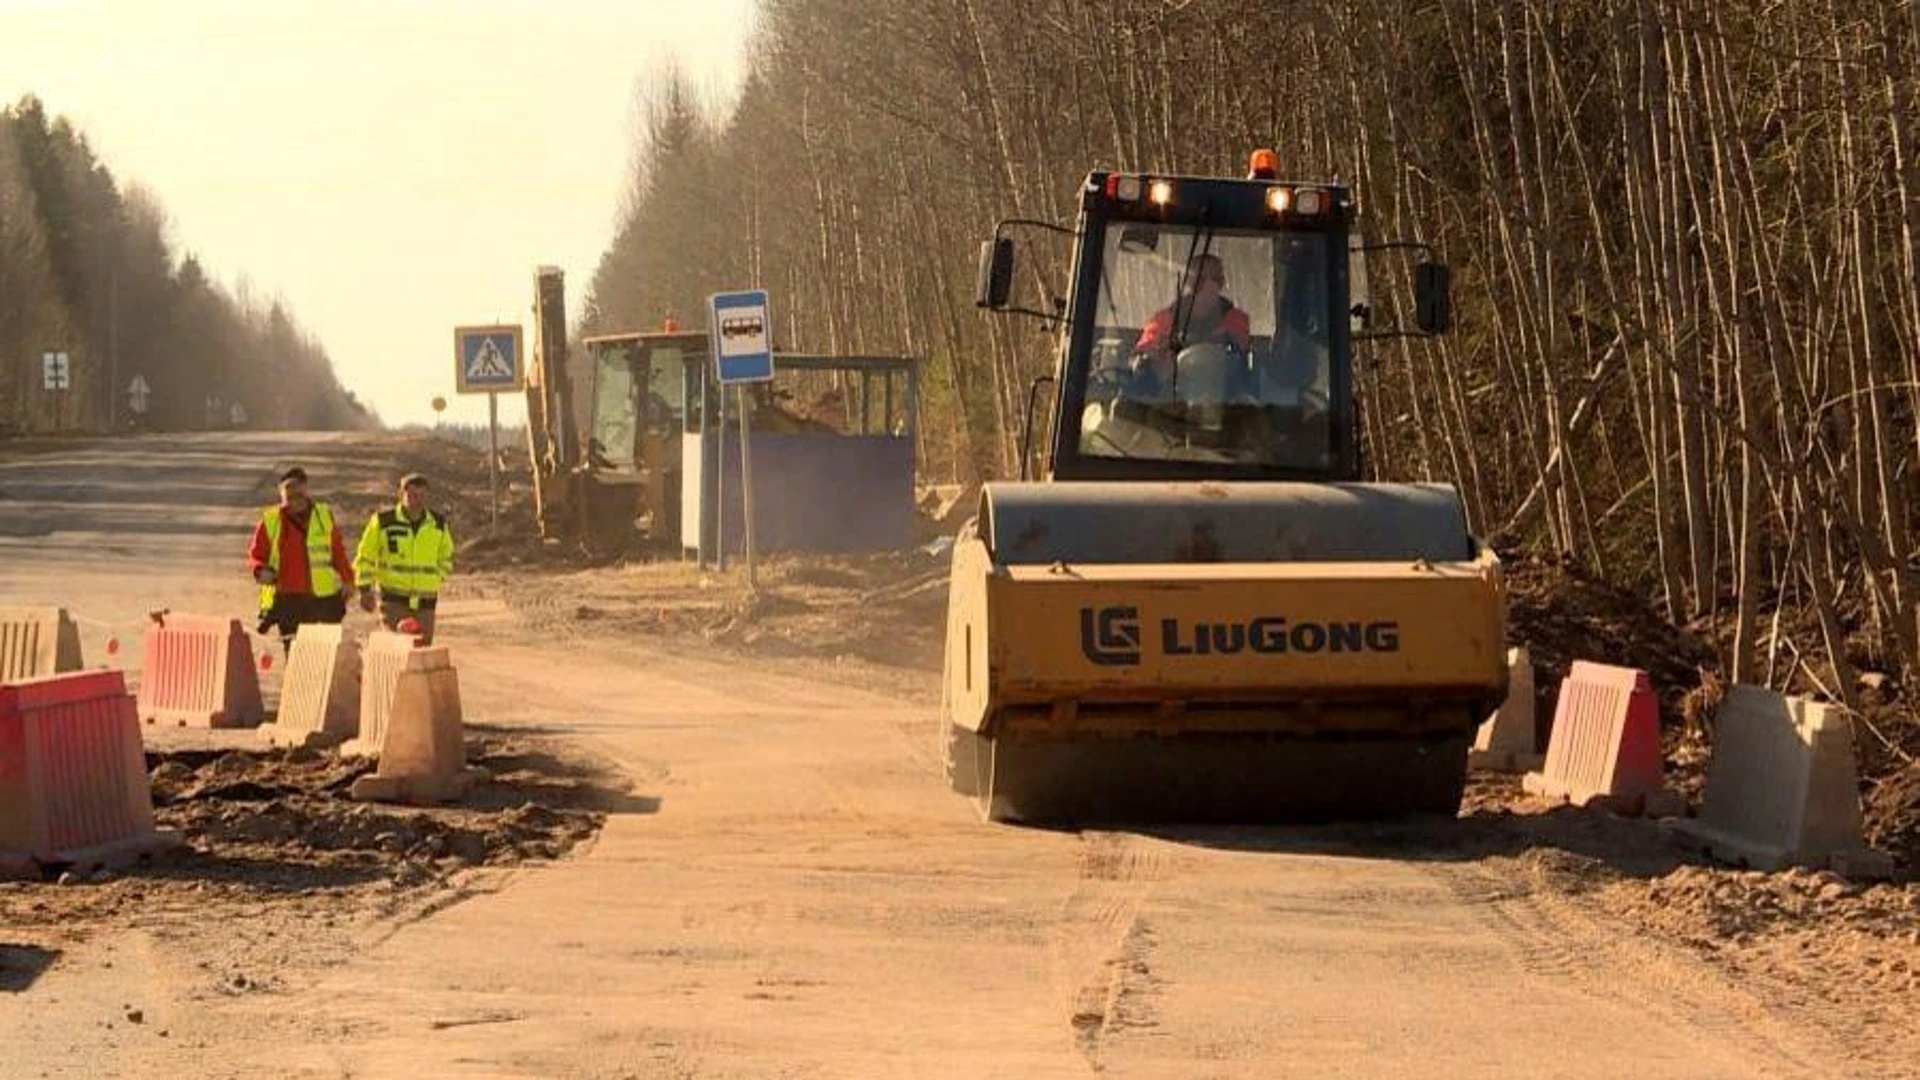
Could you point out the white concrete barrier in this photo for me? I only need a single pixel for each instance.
(1506, 743)
(1782, 789)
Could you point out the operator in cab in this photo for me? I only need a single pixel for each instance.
(1202, 315)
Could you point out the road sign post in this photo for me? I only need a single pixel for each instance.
(720, 485)
(493, 455)
(746, 483)
(742, 354)
(487, 360)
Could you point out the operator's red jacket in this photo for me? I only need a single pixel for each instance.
(1234, 326)
(293, 575)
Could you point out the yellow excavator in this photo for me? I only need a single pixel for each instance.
(1200, 612)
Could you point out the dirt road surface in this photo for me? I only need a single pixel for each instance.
(787, 889)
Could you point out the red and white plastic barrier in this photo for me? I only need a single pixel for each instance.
(198, 671)
(1605, 744)
(73, 776)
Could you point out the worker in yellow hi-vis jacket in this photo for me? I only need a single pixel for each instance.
(406, 554)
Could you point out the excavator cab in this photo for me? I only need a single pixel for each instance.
(1200, 611)
(629, 481)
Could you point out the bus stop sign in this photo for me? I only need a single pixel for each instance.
(742, 336)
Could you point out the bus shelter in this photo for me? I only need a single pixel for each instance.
(833, 443)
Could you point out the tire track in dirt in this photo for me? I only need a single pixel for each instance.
(1556, 943)
(1509, 911)
(1100, 948)
(542, 609)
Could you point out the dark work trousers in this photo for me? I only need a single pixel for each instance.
(290, 611)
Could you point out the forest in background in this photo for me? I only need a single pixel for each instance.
(87, 268)
(1685, 237)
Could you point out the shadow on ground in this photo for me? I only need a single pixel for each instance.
(22, 965)
(267, 875)
(1627, 846)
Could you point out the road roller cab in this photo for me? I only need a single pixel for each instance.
(1200, 611)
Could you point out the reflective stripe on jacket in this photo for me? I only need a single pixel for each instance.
(319, 551)
(405, 558)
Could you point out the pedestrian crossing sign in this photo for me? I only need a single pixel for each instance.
(488, 359)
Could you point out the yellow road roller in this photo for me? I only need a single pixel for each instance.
(1198, 611)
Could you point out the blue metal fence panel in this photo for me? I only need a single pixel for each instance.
(816, 492)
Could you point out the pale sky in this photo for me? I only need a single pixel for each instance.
(389, 168)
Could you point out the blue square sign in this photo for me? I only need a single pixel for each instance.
(487, 359)
(742, 336)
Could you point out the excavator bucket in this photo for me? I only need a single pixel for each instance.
(1181, 652)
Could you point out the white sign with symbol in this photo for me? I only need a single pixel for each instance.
(138, 394)
(487, 359)
(488, 365)
(55, 373)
